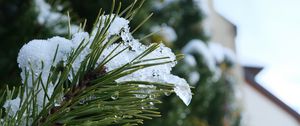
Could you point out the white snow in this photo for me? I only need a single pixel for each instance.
(166, 32)
(45, 13)
(158, 73)
(77, 39)
(193, 77)
(213, 54)
(12, 106)
(80, 37)
(199, 47)
(115, 27)
(230, 55)
(38, 56)
(52, 19)
(190, 60)
(203, 5)
(221, 53)
(36, 51)
(181, 88)
(217, 50)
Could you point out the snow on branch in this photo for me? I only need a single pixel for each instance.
(212, 55)
(37, 59)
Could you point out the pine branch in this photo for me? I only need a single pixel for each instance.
(81, 85)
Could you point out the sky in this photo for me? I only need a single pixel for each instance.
(268, 35)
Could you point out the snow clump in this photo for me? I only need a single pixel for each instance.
(158, 73)
(37, 57)
(212, 55)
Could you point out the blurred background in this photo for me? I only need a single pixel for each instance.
(241, 56)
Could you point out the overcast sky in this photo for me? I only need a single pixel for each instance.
(268, 35)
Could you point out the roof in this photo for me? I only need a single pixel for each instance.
(250, 73)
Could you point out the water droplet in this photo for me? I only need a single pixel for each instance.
(115, 95)
(116, 118)
(151, 103)
(142, 107)
(152, 96)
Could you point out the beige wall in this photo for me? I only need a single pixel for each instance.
(218, 28)
(258, 110)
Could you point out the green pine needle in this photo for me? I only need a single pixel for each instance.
(93, 97)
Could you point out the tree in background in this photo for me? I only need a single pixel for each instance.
(18, 24)
(177, 23)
